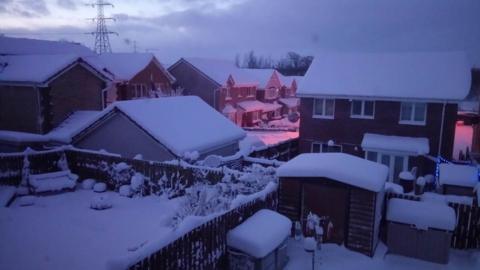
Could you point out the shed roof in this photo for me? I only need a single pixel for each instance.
(435, 76)
(458, 175)
(339, 167)
(410, 145)
(182, 124)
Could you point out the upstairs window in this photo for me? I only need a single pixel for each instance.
(413, 113)
(228, 95)
(323, 108)
(271, 93)
(362, 109)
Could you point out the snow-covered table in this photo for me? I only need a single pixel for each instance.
(52, 182)
(259, 242)
(419, 229)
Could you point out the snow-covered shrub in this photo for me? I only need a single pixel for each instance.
(88, 183)
(255, 178)
(137, 182)
(138, 157)
(101, 202)
(25, 171)
(125, 191)
(191, 156)
(100, 187)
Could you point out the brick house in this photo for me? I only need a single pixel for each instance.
(288, 94)
(469, 115)
(230, 90)
(38, 92)
(393, 109)
(137, 75)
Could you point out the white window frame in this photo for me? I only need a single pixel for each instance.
(324, 108)
(412, 120)
(391, 167)
(228, 94)
(362, 114)
(325, 144)
(251, 92)
(255, 116)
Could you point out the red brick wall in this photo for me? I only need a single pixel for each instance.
(149, 76)
(19, 109)
(349, 131)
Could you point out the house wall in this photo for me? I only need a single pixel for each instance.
(349, 131)
(118, 134)
(151, 75)
(76, 89)
(194, 82)
(19, 109)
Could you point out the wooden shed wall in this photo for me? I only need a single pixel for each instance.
(362, 205)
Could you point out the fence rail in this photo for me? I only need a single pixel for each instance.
(204, 247)
(467, 231)
(283, 151)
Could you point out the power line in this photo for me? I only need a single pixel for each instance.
(102, 40)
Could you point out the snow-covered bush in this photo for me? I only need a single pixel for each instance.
(125, 191)
(101, 202)
(25, 171)
(88, 183)
(62, 163)
(100, 187)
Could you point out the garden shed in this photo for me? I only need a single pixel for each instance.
(345, 191)
(458, 179)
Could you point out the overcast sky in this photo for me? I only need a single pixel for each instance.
(222, 28)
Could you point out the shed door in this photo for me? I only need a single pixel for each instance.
(329, 202)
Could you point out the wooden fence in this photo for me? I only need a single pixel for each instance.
(467, 232)
(283, 151)
(205, 247)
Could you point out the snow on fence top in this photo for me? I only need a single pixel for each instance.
(260, 234)
(423, 215)
(458, 175)
(422, 76)
(340, 167)
(183, 124)
(417, 146)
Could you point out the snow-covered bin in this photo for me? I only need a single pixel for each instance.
(259, 242)
(421, 230)
(407, 180)
(458, 179)
(52, 182)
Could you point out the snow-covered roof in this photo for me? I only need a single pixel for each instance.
(182, 124)
(260, 234)
(16, 136)
(33, 68)
(262, 76)
(126, 65)
(270, 107)
(433, 76)
(251, 105)
(340, 167)
(219, 70)
(423, 215)
(410, 145)
(458, 175)
(290, 102)
(39, 68)
(229, 109)
(15, 46)
(288, 80)
(72, 125)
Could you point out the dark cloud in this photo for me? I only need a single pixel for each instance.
(67, 4)
(24, 8)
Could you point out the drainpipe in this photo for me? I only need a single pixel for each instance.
(441, 129)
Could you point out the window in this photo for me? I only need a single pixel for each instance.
(319, 147)
(271, 93)
(362, 109)
(254, 116)
(228, 95)
(323, 108)
(251, 92)
(137, 91)
(395, 163)
(413, 113)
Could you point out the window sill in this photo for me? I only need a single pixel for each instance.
(323, 117)
(362, 117)
(412, 123)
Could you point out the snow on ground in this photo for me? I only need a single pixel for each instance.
(333, 256)
(62, 232)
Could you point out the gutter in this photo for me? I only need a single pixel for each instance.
(441, 130)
